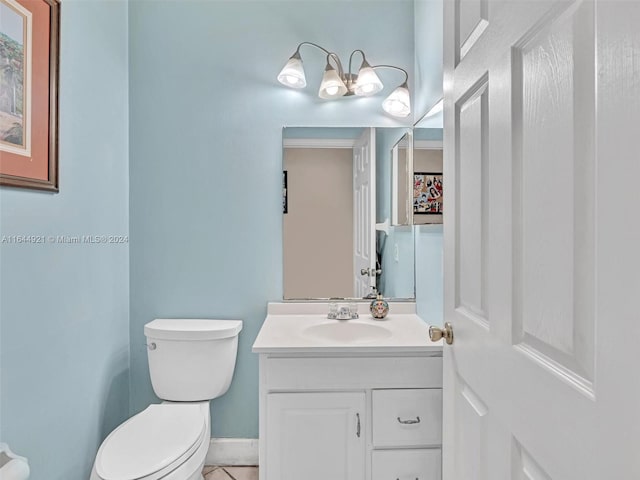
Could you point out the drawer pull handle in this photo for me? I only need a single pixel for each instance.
(397, 478)
(358, 425)
(409, 422)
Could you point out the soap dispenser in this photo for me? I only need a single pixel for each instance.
(379, 307)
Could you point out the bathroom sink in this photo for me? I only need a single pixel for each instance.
(347, 332)
(293, 328)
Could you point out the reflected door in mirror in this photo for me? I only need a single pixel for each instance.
(318, 225)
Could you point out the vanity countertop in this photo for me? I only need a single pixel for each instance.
(291, 330)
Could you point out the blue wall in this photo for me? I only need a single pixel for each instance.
(429, 273)
(428, 26)
(65, 308)
(206, 118)
(322, 132)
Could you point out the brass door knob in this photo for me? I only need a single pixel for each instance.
(436, 333)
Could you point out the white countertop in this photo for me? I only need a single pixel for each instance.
(297, 332)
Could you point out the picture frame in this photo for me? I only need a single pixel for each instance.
(29, 52)
(427, 193)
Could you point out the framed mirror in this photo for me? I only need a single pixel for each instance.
(337, 237)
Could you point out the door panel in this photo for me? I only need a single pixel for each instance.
(471, 139)
(473, 19)
(364, 184)
(471, 435)
(525, 467)
(554, 159)
(542, 269)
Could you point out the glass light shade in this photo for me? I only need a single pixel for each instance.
(368, 82)
(398, 103)
(332, 85)
(292, 75)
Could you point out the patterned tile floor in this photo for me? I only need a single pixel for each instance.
(230, 473)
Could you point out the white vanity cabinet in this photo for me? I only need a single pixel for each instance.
(316, 435)
(343, 416)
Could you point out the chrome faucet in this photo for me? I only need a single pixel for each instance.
(343, 312)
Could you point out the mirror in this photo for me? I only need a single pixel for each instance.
(428, 187)
(401, 181)
(337, 237)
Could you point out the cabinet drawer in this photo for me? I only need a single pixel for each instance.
(407, 417)
(406, 464)
(352, 373)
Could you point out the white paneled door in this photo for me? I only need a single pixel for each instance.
(542, 240)
(364, 213)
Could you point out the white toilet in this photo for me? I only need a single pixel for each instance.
(190, 362)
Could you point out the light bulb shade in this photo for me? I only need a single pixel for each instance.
(398, 103)
(332, 85)
(368, 82)
(292, 75)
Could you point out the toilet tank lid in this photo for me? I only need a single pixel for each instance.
(191, 329)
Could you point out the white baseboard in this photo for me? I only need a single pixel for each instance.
(232, 451)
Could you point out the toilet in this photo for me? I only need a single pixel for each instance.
(191, 362)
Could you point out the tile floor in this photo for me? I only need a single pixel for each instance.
(230, 473)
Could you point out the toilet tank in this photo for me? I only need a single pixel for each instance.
(191, 360)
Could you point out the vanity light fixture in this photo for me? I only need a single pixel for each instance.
(336, 83)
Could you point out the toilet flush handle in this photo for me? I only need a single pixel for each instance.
(152, 346)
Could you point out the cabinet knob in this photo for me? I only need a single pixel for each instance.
(436, 333)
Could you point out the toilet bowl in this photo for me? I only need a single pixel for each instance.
(190, 362)
(168, 441)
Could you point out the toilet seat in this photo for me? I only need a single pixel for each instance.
(152, 443)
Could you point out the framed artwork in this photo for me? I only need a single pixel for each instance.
(285, 196)
(427, 193)
(29, 49)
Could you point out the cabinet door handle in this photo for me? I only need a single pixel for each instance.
(358, 425)
(409, 422)
(397, 478)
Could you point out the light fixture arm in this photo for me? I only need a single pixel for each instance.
(351, 57)
(329, 54)
(338, 63)
(314, 45)
(406, 75)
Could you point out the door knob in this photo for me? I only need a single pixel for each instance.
(436, 333)
(370, 271)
